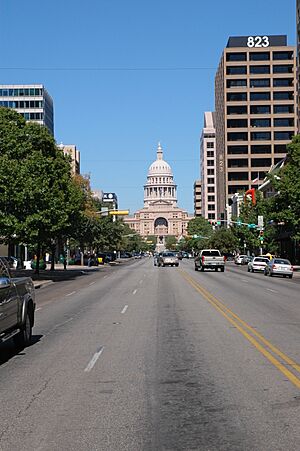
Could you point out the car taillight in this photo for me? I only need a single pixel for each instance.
(274, 266)
(202, 259)
(292, 268)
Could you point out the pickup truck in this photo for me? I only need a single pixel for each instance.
(17, 306)
(209, 258)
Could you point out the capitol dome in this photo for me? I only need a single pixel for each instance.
(159, 166)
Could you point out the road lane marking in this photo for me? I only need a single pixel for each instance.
(37, 309)
(273, 291)
(124, 309)
(104, 277)
(134, 291)
(92, 283)
(70, 294)
(141, 281)
(94, 359)
(247, 330)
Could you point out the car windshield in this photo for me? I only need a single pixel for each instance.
(261, 259)
(168, 254)
(281, 261)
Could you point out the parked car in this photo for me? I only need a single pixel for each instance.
(17, 306)
(258, 264)
(13, 262)
(167, 259)
(279, 267)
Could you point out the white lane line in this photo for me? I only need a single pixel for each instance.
(70, 294)
(141, 281)
(61, 324)
(124, 309)
(273, 291)
(94, 359)
(245, 280)
(104, 277)
(134, 291)
(92, 283)
(37, 309)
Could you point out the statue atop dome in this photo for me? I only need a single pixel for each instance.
(159, 152)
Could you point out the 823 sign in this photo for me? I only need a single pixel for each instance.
(258, 41)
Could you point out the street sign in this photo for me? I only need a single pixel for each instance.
(252, 226)
(260, 221)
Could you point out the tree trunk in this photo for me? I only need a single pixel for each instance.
(53, 248)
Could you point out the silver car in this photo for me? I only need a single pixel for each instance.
(167, 259)
(258, 264)
(279, 267)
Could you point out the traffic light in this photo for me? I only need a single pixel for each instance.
(261, 236)
(250, 193)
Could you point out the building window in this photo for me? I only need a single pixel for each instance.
(232, 189)
(237, 176)
(260, 109)
(210, 172)
(283, 56)
(283, 82)
(260, 122)
(279, 109)
(280, 148)
(210, 180)
(238, 163)
(255, 96)
(259, 69)
(210, 163)
(211, 216)
(283, 136)
(260, 136)
(235, 150)
(210, 189)
(260, 149)
(236, 70)
(283, 69)
(259, 56)
(261, 162)
(210, 153)
(236, 56)
(236, 97)
(237, 83)
(237, 136)
(210, 145)
(237, 123)
(283, 95)
(211, 198)
(240, 109)
(211, 207)
(260, 83)
(284, 122)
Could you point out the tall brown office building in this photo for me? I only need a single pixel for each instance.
(298, 57)
(256, 111)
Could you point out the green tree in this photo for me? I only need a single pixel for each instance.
(171, 242)
(224, 240)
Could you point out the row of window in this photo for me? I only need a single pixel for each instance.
(259, 82)
(260, 109)
(259, 56)
(262, 69)
(256, 149)
(260, 136)
(277, 122)
(243, 96)
(255, 163)
(21, 92)
(22, 103)
(33, 116)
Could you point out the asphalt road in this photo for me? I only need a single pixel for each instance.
(145, 358)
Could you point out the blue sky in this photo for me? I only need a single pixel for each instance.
(116, 117)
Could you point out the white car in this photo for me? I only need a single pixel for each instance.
(258, 264)
(239, 259)
(279, 267)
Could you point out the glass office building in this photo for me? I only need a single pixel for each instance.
(32, 101)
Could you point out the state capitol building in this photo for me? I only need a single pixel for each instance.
(160, 216)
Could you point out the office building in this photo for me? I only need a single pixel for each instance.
(208, 168)
(298, 57)
(32, 101)
(197, 198)
(73, 152)
(256, 111)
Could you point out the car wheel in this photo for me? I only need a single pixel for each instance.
(177, 264)
(248, 269)
(196, 268)
(163, 265)
(252, 270)
(23, 338)
(270, 274)
(222, 269)
(290, 277)
(202, 268)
